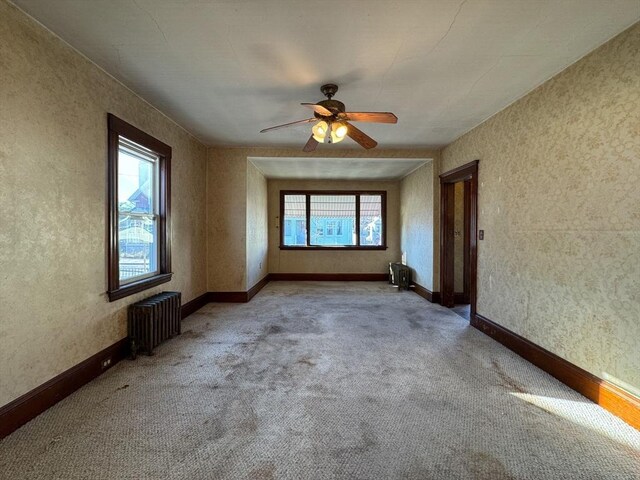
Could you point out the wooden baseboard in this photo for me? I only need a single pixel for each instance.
(227, 297)
(612, 398)
(433, 297)
(461, 299)
(332, 277)
(33, 403)
(257, 287)
(194, 305)
(18, 412)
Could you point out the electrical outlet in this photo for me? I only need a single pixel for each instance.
(106, 363)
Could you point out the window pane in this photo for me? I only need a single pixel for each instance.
(295, 220)
(138, 246)
(136, 178)
(333, 219)
(137, 219)
(370, 220)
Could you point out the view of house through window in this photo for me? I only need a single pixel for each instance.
(295, 220)
(343, 219)
(370, 220)
(333, 220)
(137, 211)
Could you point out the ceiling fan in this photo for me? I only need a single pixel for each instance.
(333, 122)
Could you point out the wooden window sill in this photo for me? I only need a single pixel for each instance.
(139, 286)
(376, 247)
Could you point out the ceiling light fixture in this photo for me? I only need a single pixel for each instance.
(338, 131)
(332, 132)
(333, 122)
(320, 130)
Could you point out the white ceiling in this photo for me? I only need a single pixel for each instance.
(224, 69)
(337, 168)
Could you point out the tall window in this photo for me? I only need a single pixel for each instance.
(139, 232)
(332, 220)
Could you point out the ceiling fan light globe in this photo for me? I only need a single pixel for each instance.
(320, 130)
(340, 130)
(335, 138)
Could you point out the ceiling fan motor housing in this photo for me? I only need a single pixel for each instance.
(334, 106)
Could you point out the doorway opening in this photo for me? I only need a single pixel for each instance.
(458, 239)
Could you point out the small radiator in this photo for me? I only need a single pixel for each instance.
(152, 321)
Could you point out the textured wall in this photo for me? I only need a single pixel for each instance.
(560, 205)
(341, 261)
(257, 235)
(229, 246)
(53, 148)
(417, 227)
(227, 220)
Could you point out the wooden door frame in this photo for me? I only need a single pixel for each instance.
(467, 173)
(466, 290)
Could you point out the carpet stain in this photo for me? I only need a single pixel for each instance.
(265, 472)
(192, 334)
(483, 465)
(319, 388)
(181, 360)
(274, 329)
(507, 381)
(249, 424)
(306, 361)
(228, 360)
(216, 429)
(366, 442)
(414, 324)
(122, 387)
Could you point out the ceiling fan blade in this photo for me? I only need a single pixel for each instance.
(360, 137)
(308, 120)
(319, 109)
(375, 117)
(310, 145)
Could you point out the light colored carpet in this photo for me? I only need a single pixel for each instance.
(324, 381)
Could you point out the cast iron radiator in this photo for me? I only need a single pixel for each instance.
(152, 321)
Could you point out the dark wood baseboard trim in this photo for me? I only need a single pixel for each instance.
(433, 297)
(610, 397)
(331, 277)
(257, 287)
(460, 298)
(238, 297)
(194, 305)
(227, 297)
(30, 405)
(18, 412)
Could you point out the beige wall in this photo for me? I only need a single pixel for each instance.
(560, 205)
(341, 261)
(226, 220)
(417, 228)
(257, 235)
(235, 190)
(54, 312)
